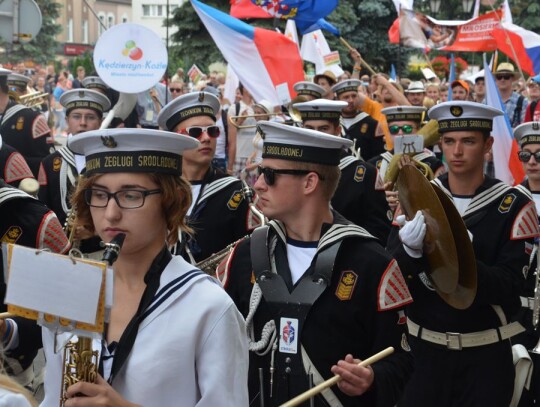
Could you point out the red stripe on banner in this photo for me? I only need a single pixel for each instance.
(246, 9)
(393, 32)
(281, 57)
(516, 168)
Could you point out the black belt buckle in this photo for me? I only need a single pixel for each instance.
(449, 336)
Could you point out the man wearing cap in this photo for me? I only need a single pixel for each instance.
(516, 104)
(309, 90)
(479, 88)
(415, 93)
(219, 214)
(18, 84)
(464, 356)
(460, 90)
(528, 136)
(404, 121)
(326, 80)
(23, 128)
(359, 196)
(533, 109)
(358, 126)
(59, 171)
(313, 286)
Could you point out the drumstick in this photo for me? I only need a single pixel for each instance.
(330, 382)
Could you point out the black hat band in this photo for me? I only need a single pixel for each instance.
(309, 92)
(318, 115)
(134, 161)
(291, 152)
(84, 104)
(346, 89)
(18, 83)
(465, 124)
(187, 113)
(529, 139)
(395, 117)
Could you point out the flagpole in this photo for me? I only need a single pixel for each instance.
(364, 63)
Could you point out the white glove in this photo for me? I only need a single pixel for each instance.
(412, 234)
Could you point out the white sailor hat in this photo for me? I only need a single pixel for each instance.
(309, 89)
(462, 115)
(16, 79)
(348, 85)
(297, 144)
(132, 150)
(186, 106)
(527, 133)
(85, 99)
(404, 113)
(320, 109)
(4, 72)
(264, 105)
(415, 87)
(94, 82)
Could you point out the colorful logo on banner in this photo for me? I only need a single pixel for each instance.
(130, 58)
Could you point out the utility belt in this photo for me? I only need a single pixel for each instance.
(458, 341)
(527, 302)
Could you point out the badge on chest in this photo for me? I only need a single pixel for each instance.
(288, 341)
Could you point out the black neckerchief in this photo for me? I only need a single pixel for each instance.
(125, 344)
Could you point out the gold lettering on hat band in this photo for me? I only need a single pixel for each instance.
(148, 161)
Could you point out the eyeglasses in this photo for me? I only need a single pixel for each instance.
(125, 199)
(270, 174)
(87, 117)
(505, 77)
(174, 90)
(525, 156)
(197, 131)
(407, 129)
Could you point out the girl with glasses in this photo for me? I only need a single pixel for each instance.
(174, 337)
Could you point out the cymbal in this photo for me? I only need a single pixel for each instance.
(416, 193)
(465, 292)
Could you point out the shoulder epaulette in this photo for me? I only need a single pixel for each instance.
(216, 186)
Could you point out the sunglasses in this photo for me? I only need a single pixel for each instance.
(174, 90)
(505, 77)
(525, 156)
(407, 129)
(270, 174)
(197, 131)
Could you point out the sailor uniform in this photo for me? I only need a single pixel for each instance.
(188, 350)
(219, 217)
(26, 131)
(360, 197)
(362, 130)
(499, 218)
(355, 310)
(13, 166)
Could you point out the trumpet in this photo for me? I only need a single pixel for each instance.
(33, 99)
(233, 119)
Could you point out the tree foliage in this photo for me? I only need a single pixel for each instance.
(43, 48)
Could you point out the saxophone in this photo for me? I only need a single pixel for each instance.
(70, 226)
(210, 264)
(80, 360)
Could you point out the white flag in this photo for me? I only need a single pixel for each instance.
(291, 32)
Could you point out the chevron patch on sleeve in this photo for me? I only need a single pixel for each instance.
(393, 290)
(42, 175)
(379, 183)
(40, 127)
(526, 223)
(16, 168)
(51, 235)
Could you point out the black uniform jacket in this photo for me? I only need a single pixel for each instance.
(26, 131)
(503, 223)
(363, 133)
(360, 197)
(359, 312)
(220, 216)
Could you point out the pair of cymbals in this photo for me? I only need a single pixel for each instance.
(447, 246)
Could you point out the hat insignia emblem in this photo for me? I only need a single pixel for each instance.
(109, 141)
(201, 96)
(456, 111)
(81, 93)
(535, 126)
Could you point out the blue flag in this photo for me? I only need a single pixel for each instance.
(321, 24)
(451, 76)
(393, 74)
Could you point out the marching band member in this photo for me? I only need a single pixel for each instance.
(360, 195)
(313, 286)
(174, 336)
(23, 128)
(13, 166)
(219, 214)
(528, 136)
(464, 357)
(309, 90)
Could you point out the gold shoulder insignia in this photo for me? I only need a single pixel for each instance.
(20, 123)
(506, 203)
(235, 200)
(12, 235)
(347, 283)
(359, 173)
(57, 163)
(364, 128)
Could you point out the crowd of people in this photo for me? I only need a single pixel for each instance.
(310, 259)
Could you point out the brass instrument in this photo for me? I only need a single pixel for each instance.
(70, 227)
(33, 99)
(233, 119)
(80, 360)
(210, 264)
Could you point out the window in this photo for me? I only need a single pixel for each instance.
(110, 20)
(85, 31)
(146, 10)
(70, 30)
(124, 18)
(101, 24)
(157, 10)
